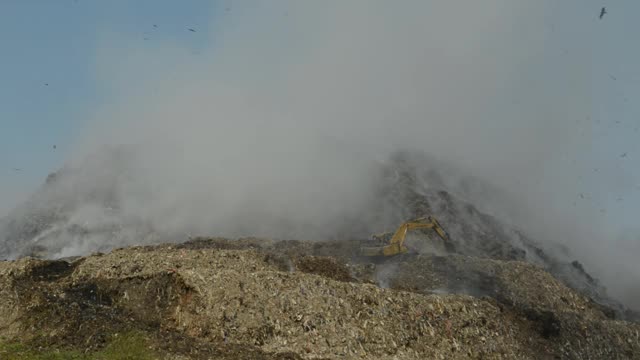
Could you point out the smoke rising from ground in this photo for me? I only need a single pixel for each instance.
(276, 128)
(292, 102)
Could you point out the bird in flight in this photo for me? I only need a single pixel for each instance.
(623, 155)
(192, 30)
(602, 12)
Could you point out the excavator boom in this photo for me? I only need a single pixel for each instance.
(396, 244)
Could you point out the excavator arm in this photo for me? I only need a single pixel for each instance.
(396, 244)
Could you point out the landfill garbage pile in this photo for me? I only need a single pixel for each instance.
(491, 292)
(261, 299)
(74, 214)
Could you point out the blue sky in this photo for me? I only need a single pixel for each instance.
(51, 87)
(616, 115)
(48, 72)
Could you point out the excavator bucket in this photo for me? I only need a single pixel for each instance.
(439, 229)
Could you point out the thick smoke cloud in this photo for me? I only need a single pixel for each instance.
(284, 116)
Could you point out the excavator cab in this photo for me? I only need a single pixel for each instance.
(395, 244)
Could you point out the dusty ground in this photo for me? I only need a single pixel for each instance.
(262, 299)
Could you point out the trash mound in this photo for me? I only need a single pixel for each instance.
(73, 214)
(258, 299)
(52, 304)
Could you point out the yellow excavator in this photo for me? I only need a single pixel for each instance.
(396, 243)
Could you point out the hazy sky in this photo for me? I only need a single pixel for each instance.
(48, 71)
(59, 68)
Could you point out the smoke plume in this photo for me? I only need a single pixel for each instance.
(277, 127)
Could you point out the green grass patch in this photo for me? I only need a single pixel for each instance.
(23, 352)
(128, 346)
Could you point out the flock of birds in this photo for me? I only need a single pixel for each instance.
(603, 12)
(155, 26)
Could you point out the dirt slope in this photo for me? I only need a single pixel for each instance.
(264, 299)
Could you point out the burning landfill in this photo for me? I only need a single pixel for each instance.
(481, 290)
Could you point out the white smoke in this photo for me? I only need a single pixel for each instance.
(275, 129)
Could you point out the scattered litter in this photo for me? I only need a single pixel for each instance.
(236, 299)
